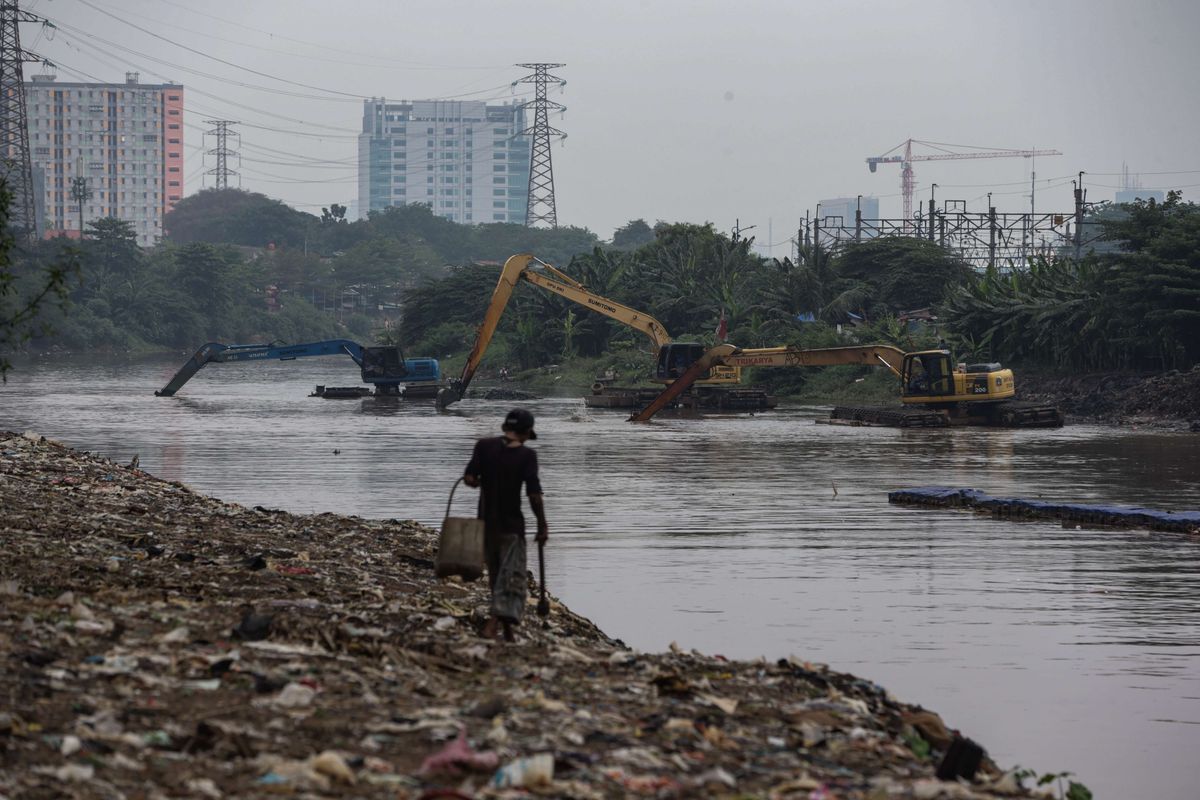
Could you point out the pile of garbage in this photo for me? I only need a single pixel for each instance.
(158, 643)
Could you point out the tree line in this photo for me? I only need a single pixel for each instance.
(237, 266)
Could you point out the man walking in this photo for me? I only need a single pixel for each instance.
(498, 467)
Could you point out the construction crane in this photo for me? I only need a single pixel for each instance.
(945, 153)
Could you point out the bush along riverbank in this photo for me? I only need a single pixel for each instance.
(156, 642)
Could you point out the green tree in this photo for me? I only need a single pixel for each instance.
(632, 235)
(27, 289)
(234, 216)
(901, 273)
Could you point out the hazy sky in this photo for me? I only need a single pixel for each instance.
(698, 111)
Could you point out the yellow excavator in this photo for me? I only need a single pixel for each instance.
(673, 357)
(934, 391)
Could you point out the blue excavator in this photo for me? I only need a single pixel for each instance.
(386, 367)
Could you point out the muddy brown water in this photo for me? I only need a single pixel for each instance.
(1059, 649)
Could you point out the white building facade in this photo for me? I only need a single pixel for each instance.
(124, 139)
(465, 159)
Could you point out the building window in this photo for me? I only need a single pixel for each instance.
(497, 204)
(497, 156)
(498, 217)
(498, 180)
(498, 192)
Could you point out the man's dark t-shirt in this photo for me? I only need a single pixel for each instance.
(502, 470)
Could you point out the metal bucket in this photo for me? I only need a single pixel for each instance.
(460, 548)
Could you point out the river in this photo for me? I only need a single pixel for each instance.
(753, 535)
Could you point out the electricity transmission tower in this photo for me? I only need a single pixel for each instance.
(540, 206)
(15, 168)
(221, 151)
(80, 191)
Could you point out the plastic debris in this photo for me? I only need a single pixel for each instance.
(525, 773)
(294, 695)
(457, 756)
(239, 652)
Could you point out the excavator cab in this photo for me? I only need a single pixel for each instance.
(383, 364)
(927, 374)
(675, 358)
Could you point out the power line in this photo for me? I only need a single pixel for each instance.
(277, 35)
(251, 70)
(260, 48)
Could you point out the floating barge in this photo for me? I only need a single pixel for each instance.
(1078, 513)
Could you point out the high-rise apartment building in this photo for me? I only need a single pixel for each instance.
(125, 139)
(464, 158)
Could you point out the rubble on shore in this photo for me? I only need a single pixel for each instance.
(1169, 400)
(158, 643)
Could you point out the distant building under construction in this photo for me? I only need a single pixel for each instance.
(463, 158)
(125, 140)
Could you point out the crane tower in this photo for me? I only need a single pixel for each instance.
(903, 155)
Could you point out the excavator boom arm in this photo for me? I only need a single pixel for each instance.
(221, 353)
(729, 355)
(870, 355)
(547, 277)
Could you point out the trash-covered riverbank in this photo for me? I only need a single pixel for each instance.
(159, 643)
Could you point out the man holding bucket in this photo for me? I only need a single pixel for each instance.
(498, 467)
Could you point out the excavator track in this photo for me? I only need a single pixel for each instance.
(991, 415)
(1024, 415)
(889, 417)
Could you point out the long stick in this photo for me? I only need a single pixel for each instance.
(543, 607)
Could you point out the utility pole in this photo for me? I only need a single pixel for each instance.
(991, 232)
(858, 219)
(737, 229)
(16, 171)
(1079, 216)
(932, 186)
(222, 170)
(541, 206)
(80, 192)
